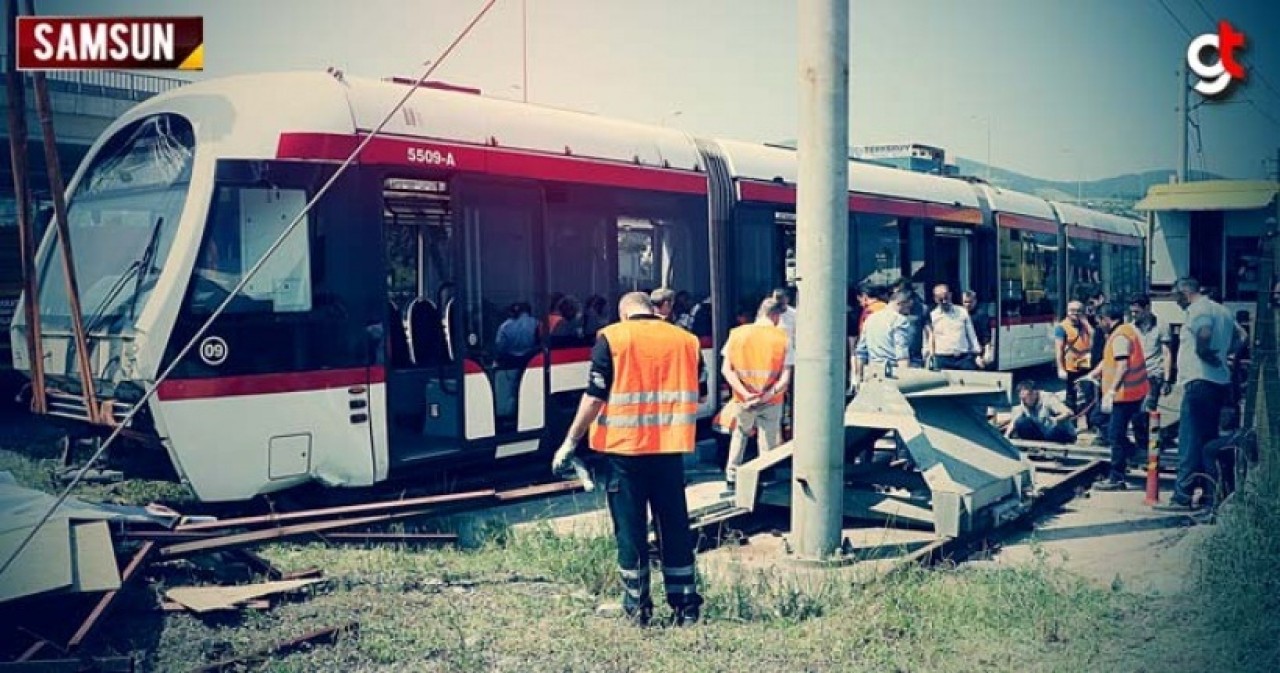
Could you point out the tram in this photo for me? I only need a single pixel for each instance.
(372, 341)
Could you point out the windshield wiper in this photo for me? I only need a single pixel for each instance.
(145, 269)
(138, 270)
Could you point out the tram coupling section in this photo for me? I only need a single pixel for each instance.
(919, 452)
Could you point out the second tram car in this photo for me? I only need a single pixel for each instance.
(380, 335)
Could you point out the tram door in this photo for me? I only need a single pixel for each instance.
(501, 339)
(424, 373)
(939, 254)
(951, 262)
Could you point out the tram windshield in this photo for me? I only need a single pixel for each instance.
(122, 218)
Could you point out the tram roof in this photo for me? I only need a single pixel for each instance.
(1091, 219)
(773, 164)
(1018, 203)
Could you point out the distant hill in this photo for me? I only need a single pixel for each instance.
(1127, 187)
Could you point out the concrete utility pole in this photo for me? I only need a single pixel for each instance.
(822, 232)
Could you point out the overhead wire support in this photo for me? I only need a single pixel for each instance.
(248, 275)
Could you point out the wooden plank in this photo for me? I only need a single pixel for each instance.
(45, 563)
(93, 558)
(108, 598)
(206, 599)
(276, 534)
(263, 604)
(333, 512)
(280, 649)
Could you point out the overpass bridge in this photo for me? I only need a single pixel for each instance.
(83, 103)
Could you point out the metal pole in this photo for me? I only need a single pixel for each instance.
(21, 192)
(1184, 119)
(57, 190)
(524, 48)
(822, 230)
(988, 149)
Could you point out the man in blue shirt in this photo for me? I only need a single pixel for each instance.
(886, 336)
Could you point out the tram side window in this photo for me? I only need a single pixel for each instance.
(1085, 264)
(1126, 271)
(639, 263)
(579, 269)
(879, 246)
(244, 223)
(1028, 273)
(754, 260)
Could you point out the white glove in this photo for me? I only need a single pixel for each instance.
(1062, 374)
(560, 463)
(567, 463)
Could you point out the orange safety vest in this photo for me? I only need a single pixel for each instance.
(653, 402)
(1076, 348)
(758, 354)
(1134, 386)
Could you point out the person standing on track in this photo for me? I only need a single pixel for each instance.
(641, 408)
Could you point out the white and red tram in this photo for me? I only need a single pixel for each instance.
(370, 342)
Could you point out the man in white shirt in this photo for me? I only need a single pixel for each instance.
(949, 335)
(1040, 417)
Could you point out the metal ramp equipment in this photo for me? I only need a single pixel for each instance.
(918, 452)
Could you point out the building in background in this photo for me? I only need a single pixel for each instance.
(1211, 231)
(907, 156)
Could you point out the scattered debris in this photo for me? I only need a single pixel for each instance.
(207, 599)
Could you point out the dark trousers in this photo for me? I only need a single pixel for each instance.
(961, 362)
(634, 486)
(1199, 418)
(1122, 414)
(1062, 433)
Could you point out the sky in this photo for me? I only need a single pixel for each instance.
(1064, 89)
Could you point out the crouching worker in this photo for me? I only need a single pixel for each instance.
(1040, 417)
(641, 407)
(755, 367)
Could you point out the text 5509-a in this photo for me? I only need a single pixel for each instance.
(423, 155)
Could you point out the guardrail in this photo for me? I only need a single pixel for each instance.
(117, 84)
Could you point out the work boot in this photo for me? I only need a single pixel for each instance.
(688, 615)
(686, 609)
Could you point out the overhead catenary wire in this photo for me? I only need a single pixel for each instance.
(199, 333)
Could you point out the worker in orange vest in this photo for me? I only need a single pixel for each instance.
(641, 407)
(1123, 372)
(757, 370)
(1072, 342)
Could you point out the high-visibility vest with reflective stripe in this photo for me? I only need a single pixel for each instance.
(1076, 348)
(653, 402)
(1134, 386)
(758, 354)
